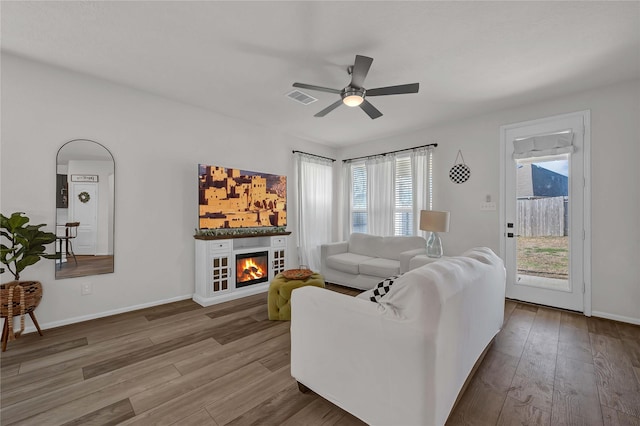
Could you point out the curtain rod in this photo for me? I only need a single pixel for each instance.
(313, 155)
(391, 152)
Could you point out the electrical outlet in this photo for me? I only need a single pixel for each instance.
(488, 206)
(86, 289)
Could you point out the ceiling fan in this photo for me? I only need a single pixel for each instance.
(354, 94)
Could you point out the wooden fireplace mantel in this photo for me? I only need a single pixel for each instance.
(231, 237)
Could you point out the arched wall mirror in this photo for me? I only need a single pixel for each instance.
(85, 194)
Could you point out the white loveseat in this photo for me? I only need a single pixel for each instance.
(402, 360)
(364, 260)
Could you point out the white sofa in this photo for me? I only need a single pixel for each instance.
(364, 260)
(402, 360)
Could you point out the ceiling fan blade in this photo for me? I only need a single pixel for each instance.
(318, 88)
(360, 70)
(330, 108)
(370, 110)
(394, 90)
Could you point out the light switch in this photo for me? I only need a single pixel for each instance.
(488, 206)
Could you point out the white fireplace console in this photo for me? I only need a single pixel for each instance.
(216, 265)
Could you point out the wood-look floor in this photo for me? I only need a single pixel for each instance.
(86, 265)
(182, 364)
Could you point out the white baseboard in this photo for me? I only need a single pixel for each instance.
(44, 326)
(615, 317)
(236, 294)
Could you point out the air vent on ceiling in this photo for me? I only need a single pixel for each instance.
(301, 97)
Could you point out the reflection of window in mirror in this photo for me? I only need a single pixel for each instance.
(85, 194)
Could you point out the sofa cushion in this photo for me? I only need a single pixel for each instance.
(347, 262)
(379, 291)
(384, 247)
(364, 244)
(379, 267)
(392, 247)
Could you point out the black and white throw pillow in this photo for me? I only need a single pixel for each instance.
(383, 288)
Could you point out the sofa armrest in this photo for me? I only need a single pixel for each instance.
(421, 260)
(329, 249)
(360, 356)
(406, 256)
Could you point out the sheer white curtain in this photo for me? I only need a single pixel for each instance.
(421, 171)
(381, 194)
(347, 187)
(314, 176)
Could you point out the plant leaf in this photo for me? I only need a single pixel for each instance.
(17, 221)
(26, 261)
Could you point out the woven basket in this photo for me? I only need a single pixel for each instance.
(32, 297)
(297, 274)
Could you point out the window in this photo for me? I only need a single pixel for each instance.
(359, 199)
(409, 193)
(403, 211)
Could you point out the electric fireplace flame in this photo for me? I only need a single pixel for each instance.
(251, 268)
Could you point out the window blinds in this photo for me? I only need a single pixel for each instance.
(403, 217)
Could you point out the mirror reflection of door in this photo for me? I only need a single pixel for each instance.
(84, 193)
(84, 209)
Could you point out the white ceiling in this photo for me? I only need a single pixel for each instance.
(241, 58)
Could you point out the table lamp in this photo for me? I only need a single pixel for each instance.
(434, 222)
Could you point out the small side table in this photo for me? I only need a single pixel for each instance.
(421, 260)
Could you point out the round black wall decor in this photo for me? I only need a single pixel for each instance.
(460, 172)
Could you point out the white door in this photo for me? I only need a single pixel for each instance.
(545, 213)
(84, 209)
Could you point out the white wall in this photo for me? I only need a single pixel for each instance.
(615, 174)
(157, 144)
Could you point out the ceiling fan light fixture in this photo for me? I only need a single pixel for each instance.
(353, 97)
(354, 94)
(353, 100)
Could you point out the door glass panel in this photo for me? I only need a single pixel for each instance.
(542, 222)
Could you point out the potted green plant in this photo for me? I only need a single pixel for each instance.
(25, 246)
(26, 243)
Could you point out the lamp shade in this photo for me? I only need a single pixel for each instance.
(434, 221)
